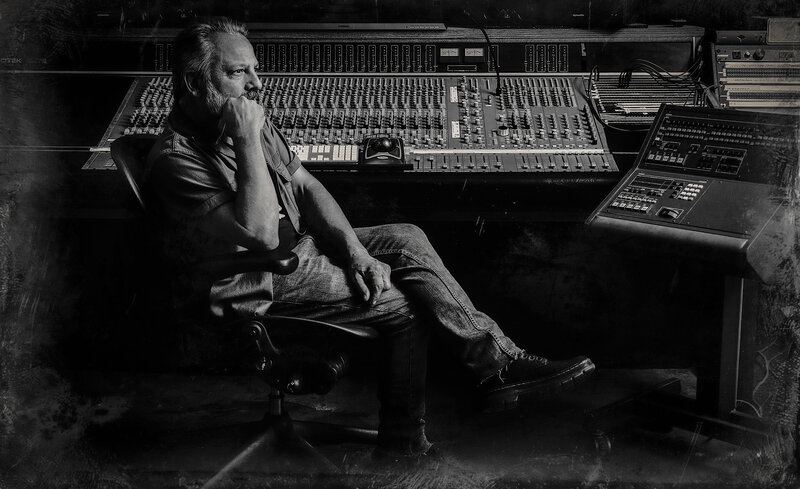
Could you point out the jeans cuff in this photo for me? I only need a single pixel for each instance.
(403, 439)
(497, 368)
(404, 445)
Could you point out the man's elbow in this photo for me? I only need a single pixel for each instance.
(261, 237)
(264, 240)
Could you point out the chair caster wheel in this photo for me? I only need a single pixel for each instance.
(602, 443)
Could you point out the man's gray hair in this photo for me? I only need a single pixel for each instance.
(193, 50)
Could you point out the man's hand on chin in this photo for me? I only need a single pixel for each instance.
(242, 118)
(370, 276)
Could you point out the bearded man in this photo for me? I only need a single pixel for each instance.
(225, 180)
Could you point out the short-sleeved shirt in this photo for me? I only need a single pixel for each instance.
(189, 174)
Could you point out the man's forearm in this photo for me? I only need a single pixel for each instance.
(328, 222)
(257, 207)
(369, 276)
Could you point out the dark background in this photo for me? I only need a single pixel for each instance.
(75, 293)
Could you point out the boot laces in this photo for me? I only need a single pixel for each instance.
(523, 355)
(533, 358)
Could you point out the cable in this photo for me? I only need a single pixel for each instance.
(687, 79)
(492, 56)
(658, 73)
(594, 74)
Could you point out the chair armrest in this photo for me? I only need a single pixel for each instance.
(218, 267)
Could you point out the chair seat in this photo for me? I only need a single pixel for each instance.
(297, 355)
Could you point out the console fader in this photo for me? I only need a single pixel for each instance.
(449, 124)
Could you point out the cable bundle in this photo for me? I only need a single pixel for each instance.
(689, 77)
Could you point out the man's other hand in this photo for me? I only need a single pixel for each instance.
(242, 118)
(370, 276)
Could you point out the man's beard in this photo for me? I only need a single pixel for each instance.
(215, 100)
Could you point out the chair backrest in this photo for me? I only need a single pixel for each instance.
(130, 155)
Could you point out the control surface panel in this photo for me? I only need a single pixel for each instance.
(714, 178)
(447, 123)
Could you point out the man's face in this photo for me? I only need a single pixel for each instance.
(232, 72)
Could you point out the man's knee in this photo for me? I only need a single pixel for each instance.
(409, 236)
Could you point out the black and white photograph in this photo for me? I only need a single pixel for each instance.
(402, 244)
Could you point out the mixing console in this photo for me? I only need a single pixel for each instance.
(447, 123)
(713, 179)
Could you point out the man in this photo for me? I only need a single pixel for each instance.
(226, 180)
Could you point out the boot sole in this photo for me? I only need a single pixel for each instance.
(507, 398)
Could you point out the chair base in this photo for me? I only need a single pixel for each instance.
(281, 433)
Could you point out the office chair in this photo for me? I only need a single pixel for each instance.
(284, 369)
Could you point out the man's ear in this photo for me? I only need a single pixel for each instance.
(192, 83)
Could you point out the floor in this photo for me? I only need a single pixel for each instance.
(159, 430)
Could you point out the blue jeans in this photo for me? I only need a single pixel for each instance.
(424, 297)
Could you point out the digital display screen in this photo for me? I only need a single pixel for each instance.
(473, 52)
(448, 52)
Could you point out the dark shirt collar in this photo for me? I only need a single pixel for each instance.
(187, 127)
(205, 136)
